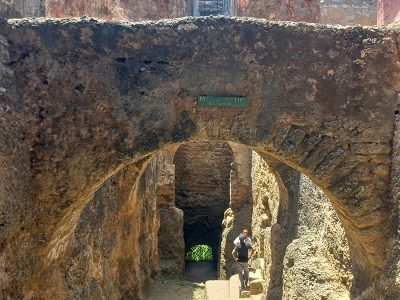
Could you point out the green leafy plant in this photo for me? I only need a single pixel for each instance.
(199, 253)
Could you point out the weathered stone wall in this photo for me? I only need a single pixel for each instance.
(317, 262)
(22, 8)
(171, 245)
(166, 177)
(119, 9)
(266, 202)
(238, 215)
(240, 191)
(202, 173)
(16, 201)
(288, 10)
(89, 97)
(393, 280)
(132, 10)
(388, 11)
(348, 12)
(112, 252)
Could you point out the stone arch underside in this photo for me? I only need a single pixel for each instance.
(83, 98)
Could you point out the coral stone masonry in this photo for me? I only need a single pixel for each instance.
(86, 104)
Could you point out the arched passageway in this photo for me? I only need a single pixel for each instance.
(96, 97)
(202, 188)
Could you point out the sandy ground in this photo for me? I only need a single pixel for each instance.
(175, 289)
(192, 287)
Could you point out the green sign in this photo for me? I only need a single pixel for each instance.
(214, 101)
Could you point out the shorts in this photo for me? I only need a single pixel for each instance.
(242, 266)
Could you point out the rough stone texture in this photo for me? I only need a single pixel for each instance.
(238, 216)
(22, 8)
(119, 9)
(393, 280)
(289, 10)
(266, 202)
(84, 98)
(317, 262)
(166, 177)
(171, 246)
(240, 177)
(388, 11)
(293, 10)
(233, 224)
(112, 252)
(202, 183)
(348, 12)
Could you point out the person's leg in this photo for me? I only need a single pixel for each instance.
(246, 274)
(241, 277)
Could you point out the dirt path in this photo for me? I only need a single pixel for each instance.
(174, 289)
(190, 288)
(200, 271)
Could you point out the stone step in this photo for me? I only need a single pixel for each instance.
(256, 286)
(217, 290)
(234, 285)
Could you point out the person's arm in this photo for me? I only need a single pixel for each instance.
(250, 252)
(234, 254)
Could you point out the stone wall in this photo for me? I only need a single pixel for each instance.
(112, 252)
(388, 11)
(87, 97)
(264, 224)
(238, 215)
(317, 262)
(171, 245)
(348, 12)
(288, 10)
(16, 201)
(22, 8)
(202, 171)
(119, 9)
(132, 10)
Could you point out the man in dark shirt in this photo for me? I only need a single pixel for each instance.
(242, 253)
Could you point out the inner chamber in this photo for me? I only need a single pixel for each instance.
(202, 192)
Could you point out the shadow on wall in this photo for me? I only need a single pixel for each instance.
(202, 171)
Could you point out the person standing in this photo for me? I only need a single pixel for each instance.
(241, 254)
(245, 235)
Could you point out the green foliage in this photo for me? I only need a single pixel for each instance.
(199, 253)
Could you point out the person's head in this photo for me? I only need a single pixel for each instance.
(245, 233)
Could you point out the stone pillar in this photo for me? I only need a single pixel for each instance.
(388, 11)
(240, 189)
(166, 177)
(238, 215)
(171, 246)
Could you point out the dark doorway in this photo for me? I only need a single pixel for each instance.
(202, 185)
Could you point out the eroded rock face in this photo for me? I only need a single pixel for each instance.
(112, 252)
(388, 12)
(317, 263)
(85, 98)
(171, 253)
(120, 9)
(238, 215)
(349, 12)
(268, 235)
(299, 10)
(22, 8)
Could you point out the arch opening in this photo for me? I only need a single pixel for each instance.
(76, 139)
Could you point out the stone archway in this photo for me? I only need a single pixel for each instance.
(82, 99)
(202, 182)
